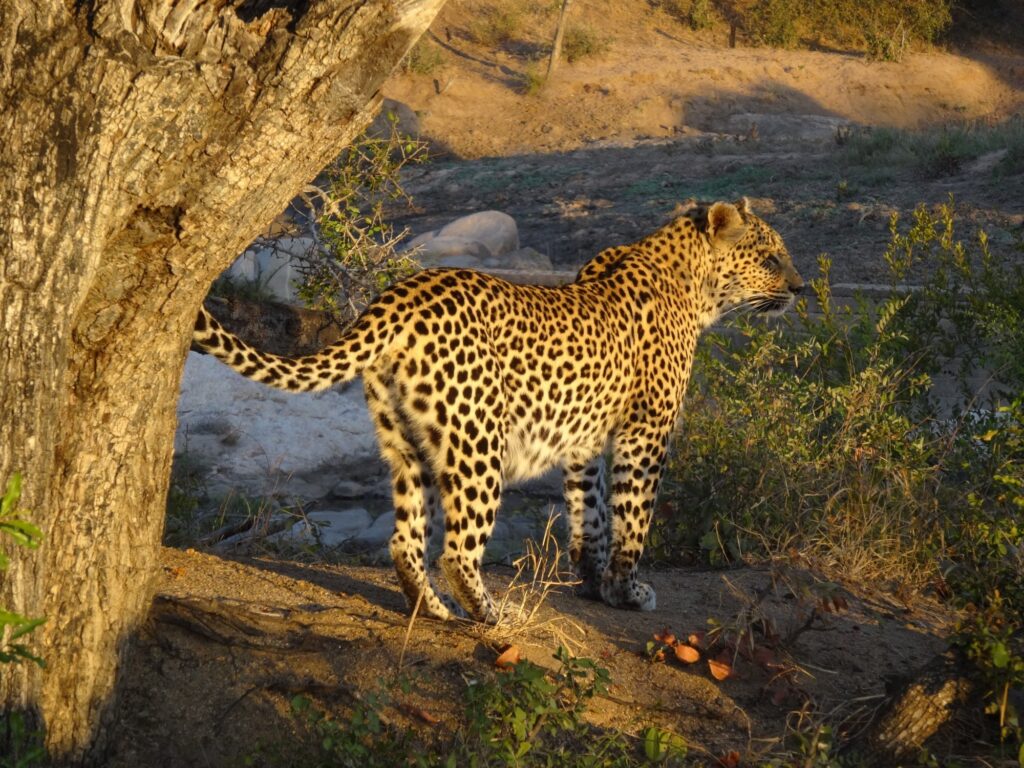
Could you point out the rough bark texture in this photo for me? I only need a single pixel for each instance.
(918, 707)
(143, 143)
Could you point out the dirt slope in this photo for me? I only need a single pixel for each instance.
(230, 642)
(659, 79)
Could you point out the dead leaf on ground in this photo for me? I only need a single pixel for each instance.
(665, 636)
(719, 669)
(686, 654)
(509, 657)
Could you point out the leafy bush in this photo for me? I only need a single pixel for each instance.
(938, 152)
(355, 257)
(581, 42)
(773, 22)
(825, 441)
(827, 438)
(884, 30)
(701, 15)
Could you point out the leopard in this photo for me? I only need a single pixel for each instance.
(474, 383)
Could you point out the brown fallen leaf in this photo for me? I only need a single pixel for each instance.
(509, 657)
(729, 759)
(696, 639)
(424, 715)
(720, 670)
(665, 636)
(686, 654)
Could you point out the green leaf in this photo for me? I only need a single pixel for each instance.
(653, 747)
(11, 495)
(23, 532)
(27, 627)
(1000, 655)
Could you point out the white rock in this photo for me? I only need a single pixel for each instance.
(437, 251)
(272, 264)
(251, 438)
(800, 127)
(379, 533)
(497, 231)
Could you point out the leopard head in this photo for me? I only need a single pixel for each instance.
(750, 267)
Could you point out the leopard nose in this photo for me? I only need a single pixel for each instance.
(797, 289)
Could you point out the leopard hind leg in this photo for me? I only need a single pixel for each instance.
(416, 501)
(587, 511)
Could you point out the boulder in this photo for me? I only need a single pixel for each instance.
(270, 263)
(798, 127)
(378, 533)
(434, 250)
(495, 230)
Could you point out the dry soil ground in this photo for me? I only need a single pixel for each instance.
(596, 158)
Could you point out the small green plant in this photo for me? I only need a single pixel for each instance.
(355, 258)
(701, 15)
(522, 716)
(497, 25)
(20, 747)
(424, 58)
(13, 626)
(533, 81)
(581, 42)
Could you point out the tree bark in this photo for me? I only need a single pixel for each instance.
(143, 143)
(556, 47)
(918, 707)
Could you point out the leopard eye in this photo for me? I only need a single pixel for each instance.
(772, 261)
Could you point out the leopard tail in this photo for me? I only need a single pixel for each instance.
(339, 362)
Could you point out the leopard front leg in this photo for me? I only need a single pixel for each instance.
(636, 473)
(587, 512)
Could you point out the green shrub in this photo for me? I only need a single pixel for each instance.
(826, 438)
(937, 152)
(356, 257)
(701, 15)
(773, 22)
(424, 58)
(581, 42)
(884, 30)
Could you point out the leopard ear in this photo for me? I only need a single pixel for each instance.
(725, 225)
(743, 206)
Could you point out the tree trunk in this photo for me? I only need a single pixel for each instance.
(919, 706)
(143, 143)
(556, 47)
